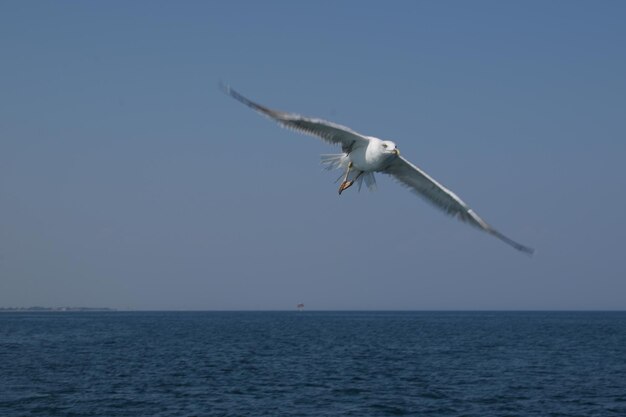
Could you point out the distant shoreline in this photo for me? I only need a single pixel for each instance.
(52, 309)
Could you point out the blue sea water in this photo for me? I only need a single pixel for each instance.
(313, 364)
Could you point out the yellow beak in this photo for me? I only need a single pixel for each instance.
(396, 151)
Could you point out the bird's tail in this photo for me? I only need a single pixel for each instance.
(335, 161)
(341, 161)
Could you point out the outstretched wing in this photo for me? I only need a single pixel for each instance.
(425, 186)
(327, 131)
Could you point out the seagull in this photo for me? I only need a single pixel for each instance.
(362, 156)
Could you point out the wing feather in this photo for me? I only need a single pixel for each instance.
(401, 169)
(427, 187)
(328, 131)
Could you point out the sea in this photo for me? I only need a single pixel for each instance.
(308, 363)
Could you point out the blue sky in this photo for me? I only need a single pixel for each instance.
(128, 180)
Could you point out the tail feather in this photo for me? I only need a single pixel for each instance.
(335, 161)
(369, 179)
(341, 161)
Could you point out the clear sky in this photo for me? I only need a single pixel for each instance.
(128, 180)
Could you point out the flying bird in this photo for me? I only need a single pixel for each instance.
(362, 156)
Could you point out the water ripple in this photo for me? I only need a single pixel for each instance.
(313, 364)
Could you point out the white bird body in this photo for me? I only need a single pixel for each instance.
(364, 155)
(373, 156)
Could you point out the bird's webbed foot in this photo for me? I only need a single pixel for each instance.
(346, 182)
(345, 185)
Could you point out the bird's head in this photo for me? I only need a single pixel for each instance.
(389, 147)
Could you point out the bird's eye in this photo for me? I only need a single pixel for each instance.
(385, 145)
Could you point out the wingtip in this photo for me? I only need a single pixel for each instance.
(527, 250)
(225, 88)
(229, 91)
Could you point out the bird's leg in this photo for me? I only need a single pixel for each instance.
(347, 184)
